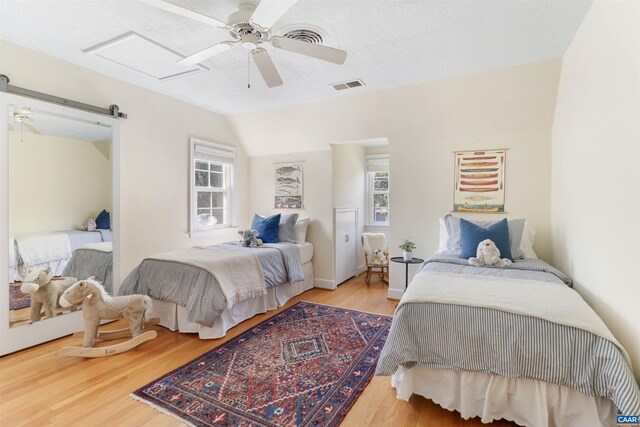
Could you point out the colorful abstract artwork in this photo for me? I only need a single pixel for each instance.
(288, 182)
(305, 366)
(479, 181)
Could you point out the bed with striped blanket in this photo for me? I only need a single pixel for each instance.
(522, 327)
(195, 286)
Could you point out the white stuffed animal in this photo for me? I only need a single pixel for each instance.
(489, 254)
(90, 225)
(249, 238)
(379, 257)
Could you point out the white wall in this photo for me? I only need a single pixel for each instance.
(595, 207)
(317, 203)
(55, 183)
(154, 149)
(509, 108)
(349, 186)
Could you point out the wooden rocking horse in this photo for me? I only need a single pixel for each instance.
(97, 305)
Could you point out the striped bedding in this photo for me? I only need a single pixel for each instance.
(93, 259)
(494, 341)
(197, 290)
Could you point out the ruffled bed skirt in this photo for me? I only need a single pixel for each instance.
(491, 397)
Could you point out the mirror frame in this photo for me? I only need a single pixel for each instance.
(14, 339)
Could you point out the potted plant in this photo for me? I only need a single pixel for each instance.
(407, 247)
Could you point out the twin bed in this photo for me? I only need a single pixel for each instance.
(189, 298)
(515, 343)
(208, 290)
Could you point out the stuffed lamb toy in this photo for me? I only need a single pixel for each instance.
(488, 254)
(249, 238)
(379, 257)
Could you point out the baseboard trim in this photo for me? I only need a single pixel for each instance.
(395, 293)
(324, 283)
(361, 269)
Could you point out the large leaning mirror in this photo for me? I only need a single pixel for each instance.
(59, 216)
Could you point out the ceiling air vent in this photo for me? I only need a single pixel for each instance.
(348, 85)
(305, 35)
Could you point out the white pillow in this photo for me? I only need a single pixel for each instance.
(528, 239)
(300, 229)
(444, 245)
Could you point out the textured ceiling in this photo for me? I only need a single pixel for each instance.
(390, 42)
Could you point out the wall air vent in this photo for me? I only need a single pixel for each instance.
(348, 85)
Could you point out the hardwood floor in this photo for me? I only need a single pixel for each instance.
(39, 388)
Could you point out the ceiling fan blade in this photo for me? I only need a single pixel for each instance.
(265, 66)
(170, 7)
(268, 12)
(31, 127)
(319, 51)
(206, 53)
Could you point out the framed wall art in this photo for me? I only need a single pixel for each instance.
(288, 180)
(479, 181)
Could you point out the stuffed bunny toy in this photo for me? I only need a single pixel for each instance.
(488, 254)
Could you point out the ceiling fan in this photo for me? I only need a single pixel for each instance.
(251, 26)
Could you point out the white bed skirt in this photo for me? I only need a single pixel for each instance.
(174, 316)
(17, 274)
(492, 397)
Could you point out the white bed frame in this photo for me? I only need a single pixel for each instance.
(174, 316)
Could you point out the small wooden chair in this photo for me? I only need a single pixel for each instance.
(371, 242)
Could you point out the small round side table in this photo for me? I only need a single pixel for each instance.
(401, 260)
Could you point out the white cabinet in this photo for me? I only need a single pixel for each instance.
(345, 243)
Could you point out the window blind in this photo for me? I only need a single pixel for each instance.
(377, 165)
(213, 154)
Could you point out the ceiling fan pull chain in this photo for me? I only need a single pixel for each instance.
(248, 69)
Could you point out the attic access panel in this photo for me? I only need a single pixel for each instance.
(145, 56)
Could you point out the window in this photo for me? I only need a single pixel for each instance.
(378, 190)
(212, 191)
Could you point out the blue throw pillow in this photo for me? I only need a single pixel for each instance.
(102, 220)
(473, 234)
(267, 227)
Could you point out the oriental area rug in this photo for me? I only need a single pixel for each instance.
(305, 366)
(17, 299)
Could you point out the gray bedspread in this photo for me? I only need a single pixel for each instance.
(478, 339)
(85, 263)
(198, 290)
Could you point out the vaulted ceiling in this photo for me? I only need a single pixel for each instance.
(390, 43)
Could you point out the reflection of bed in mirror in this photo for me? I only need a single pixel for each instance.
(93, 259)
(49, 249)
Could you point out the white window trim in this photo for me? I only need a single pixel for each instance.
(369, 223)
(195, 231)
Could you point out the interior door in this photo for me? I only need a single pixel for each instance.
(345, 240)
